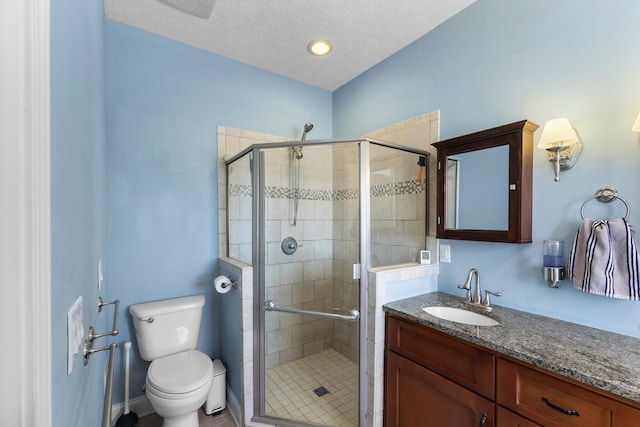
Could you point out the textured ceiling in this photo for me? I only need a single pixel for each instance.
(273, 34)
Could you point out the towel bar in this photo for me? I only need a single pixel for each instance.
(108, 392)
(351, 315)
(606, 195)
(88, 349)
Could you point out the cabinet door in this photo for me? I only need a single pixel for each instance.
(506, 418)
(624, 416)
(418, 397)
(462, 363)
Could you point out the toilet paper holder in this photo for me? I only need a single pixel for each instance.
(225, 283)
(233, 284)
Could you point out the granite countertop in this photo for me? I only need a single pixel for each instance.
(602, 359)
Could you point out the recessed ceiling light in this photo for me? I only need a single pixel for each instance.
(320, 47)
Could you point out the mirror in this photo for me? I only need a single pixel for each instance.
(484, 185)
(469, 175)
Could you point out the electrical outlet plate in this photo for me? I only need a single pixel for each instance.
(75, 332)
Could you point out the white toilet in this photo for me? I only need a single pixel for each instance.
(179, 377)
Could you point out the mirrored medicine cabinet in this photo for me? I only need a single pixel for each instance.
(484, 185)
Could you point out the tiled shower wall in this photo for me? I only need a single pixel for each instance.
(304, 279)
(240, 220)
(318, 276)
(419, 132)
(230, 142)
(398, 204)
(346, 249)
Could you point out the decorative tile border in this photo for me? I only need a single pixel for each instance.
(239, 190)
(382, 190)
(299, 193)
(399, 188)
(347, 194)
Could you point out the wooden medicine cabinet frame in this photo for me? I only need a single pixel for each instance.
(518, 137)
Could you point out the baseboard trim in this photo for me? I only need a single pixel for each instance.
(235, 408)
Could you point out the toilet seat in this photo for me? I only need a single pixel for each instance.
(180, 373)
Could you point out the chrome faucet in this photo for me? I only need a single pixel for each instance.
(476, 300)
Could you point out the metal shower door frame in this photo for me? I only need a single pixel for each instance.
(259, 257)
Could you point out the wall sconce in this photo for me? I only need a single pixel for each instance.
(636, 124)
(553, 262)
(562, 143)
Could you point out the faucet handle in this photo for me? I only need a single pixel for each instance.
(487, 301)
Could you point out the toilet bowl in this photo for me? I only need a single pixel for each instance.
(179, 377)
(178, 385)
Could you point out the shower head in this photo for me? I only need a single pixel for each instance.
(307, 128)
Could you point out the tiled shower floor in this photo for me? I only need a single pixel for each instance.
(289, 390)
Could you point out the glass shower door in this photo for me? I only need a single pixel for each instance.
(309, 322)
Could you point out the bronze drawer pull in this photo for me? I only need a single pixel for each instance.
(559, 409)
(483, 419)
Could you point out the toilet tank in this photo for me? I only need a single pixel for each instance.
(167, 327)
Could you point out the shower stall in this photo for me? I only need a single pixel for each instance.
(312, 217)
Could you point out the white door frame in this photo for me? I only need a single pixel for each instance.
(25, 213)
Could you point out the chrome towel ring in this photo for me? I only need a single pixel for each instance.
(606, 195)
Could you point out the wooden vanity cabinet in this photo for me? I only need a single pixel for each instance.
(433, 379)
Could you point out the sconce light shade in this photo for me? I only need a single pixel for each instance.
(636, 124)
(558, 133)
(562, 143)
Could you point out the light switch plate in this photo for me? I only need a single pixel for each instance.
(100, 277)
(445, 253)
(75, 332)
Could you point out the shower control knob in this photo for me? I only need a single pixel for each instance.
(290, 245)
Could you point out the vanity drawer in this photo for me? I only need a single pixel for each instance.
(506, 418)
(464, 364)
(548, 400)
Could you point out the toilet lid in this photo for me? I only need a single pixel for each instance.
(180, 373)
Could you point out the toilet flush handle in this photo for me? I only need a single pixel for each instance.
(148, 319)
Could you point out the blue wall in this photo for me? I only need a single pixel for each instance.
(77, 200)
(164, 101)
(501, 61)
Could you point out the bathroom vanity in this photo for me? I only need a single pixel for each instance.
(527, 371)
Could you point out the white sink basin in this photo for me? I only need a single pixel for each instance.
(461, 316)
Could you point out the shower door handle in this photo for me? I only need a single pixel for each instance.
(351, 314)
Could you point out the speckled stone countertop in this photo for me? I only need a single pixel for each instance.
(602, 359)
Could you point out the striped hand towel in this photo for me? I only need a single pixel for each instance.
(604, 259)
